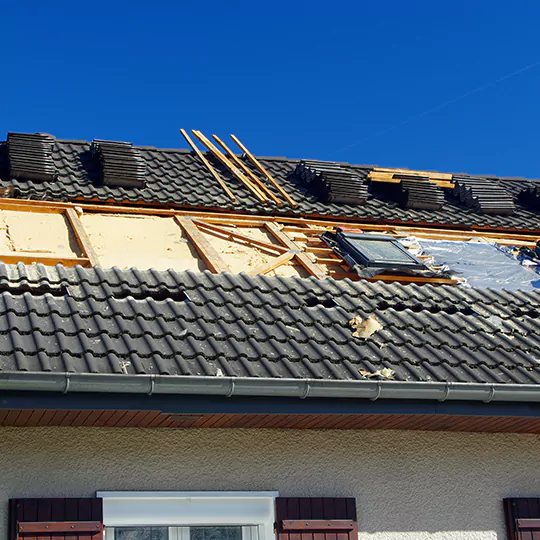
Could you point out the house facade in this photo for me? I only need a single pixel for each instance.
(212, 346)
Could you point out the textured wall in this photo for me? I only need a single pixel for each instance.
(408, 485)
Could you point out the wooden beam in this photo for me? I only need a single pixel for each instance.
(29, 257)
(246, 170)
(277, 262)
(208, 165)
(261, 169)
(233, 235)
(210, 256)
(227, 163)
(47, 528)
(302, 257)
(432, 174)
(82, 237)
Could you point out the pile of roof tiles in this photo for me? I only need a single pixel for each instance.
(530, 196)
(30, 156)
(420, 193)
(121, 164)
(483, 195)
(332, 182)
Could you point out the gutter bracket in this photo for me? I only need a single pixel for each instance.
(306, 391)
(152, 384)
(446, 392)
(491, 394)
(378, 395)
(66, 387)
(231, 391)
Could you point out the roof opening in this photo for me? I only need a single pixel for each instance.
(159, 295)
(314, 301)
(30, 156)
(39, 290)
(121, 164)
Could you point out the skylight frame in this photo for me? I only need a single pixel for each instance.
(346, 241)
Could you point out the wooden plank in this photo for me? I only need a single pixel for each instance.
(82, 237)
(49, 527)
(233, 235)
(232, 169)
(528, 523)
(210, 256)
(246, 170)
(432, 174)
(207, 164)
(261, 169)
(316, 524)
(302, 257)
(276, 263)
(28, 258)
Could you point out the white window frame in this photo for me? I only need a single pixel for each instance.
(254, 511)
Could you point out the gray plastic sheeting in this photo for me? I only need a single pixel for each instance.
(482, 265)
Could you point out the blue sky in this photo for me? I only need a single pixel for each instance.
(363, 82)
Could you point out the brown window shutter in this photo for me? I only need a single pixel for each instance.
(322, 518)
(522, 518)
(58, 519)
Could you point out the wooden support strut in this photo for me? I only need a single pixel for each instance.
(210, 256)
(255, 162)
(277, 262)
(246, 170)
(239, 175)
(303, 258)
(207, 164)
(233, 235)
(82, 237)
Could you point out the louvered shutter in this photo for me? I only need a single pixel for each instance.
(522, 518)
(323, 518)
(56, 519)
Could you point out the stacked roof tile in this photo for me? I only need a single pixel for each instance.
(420, 193)
(30, 156)
(332, 182)
(60, 319)
(177, 178)
(484, 195)
(530, 196)
(121, 164)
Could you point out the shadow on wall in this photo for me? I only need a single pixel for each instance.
(407, 485)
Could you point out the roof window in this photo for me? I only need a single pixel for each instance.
(372, 251)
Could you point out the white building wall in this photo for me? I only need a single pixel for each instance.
(408, 485)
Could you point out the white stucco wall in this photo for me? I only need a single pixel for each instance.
(408, 485)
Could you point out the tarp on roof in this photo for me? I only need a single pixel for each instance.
(482, 265)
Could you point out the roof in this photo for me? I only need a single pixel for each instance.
(177, 178)
(57, 319)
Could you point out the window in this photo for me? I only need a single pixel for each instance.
(375, 251)
(188, 515)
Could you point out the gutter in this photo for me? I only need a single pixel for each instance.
(265, 387)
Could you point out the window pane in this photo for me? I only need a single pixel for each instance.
(215, 533)
(141, 533)
(381, 250)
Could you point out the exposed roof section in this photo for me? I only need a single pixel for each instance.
(177, 178)
(58, 319)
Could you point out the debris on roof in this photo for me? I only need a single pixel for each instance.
(121, 164)
(30, 156)
(332, 182)
(364, 328)
(484, 195)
